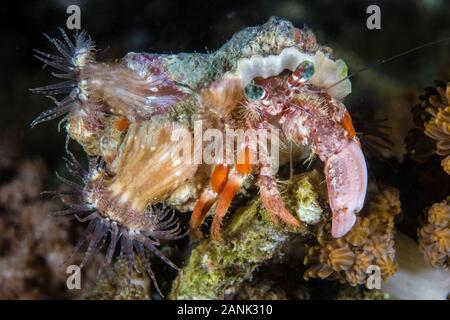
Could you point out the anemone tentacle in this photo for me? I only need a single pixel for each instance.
(101, 228)
(73, 55)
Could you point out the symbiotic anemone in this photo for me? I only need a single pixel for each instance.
(434, 235)
(137, 87)
(128, 221)
(370, 242)
(73, 57)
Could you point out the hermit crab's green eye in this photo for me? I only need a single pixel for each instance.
(306, 69)
(254, 92)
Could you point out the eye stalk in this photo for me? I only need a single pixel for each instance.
(303, 73)
(254, 92)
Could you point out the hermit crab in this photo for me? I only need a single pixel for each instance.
(138, 116)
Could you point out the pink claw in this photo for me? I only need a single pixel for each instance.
(346, 175)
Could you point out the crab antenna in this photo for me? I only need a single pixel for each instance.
(383, 61)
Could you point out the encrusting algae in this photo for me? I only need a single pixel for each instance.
(434, 235)
(371, 242)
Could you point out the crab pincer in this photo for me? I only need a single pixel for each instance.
(346, 177)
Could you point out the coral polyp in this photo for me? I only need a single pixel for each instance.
(434, 235)
(438, 128)
(370, 243)
(433, 115)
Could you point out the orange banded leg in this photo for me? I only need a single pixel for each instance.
(271, 197)
(226, 196)
(219, 178)
(202, 206)
(223, 203)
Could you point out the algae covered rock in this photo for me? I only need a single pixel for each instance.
(216, 270)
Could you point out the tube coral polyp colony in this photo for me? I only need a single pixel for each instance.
(272, 77)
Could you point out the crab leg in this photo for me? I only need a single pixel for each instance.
(223, 203)
(243, 168)
(269, 193)
(202, 206)
(335, 142)
(271, 197)
(219, 178)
